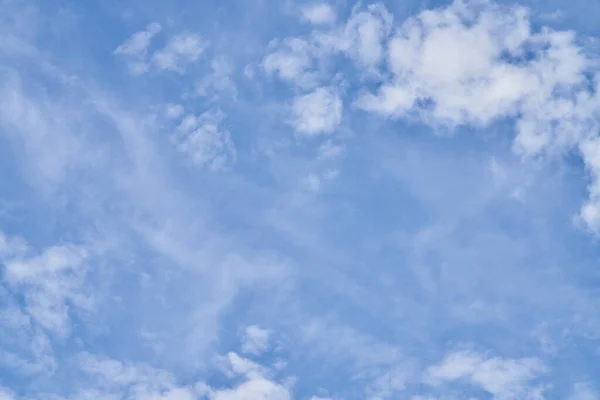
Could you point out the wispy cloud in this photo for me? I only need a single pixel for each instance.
(340, 201)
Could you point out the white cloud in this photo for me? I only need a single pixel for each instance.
(130, 381)
(503, 378)
(135, 49)
(234, 365)
(366, 31)
(318, 13)
(137, 45)
(255, 340)
(51, 283)
(205, 141)
(219, 81)
(292, 62)
(257, 384)
(362, 38)
(505, 70)
(181, 50)
(253, 389)
(317, 112)
(174, 111)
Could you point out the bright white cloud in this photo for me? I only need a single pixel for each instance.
(503, 378)
(318, 13)
(257, 384)
(504, 70)
(254, 389)
(317, 112)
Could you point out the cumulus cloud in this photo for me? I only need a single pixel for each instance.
(504, 69)
(471, 63)
(362, 37)
(292, 61)
(317, 112)
(318, 13)
(258, 383)
(259, 388)
(501, 377)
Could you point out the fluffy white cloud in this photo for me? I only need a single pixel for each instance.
(475, 63)
(502, 72)
(317, 112)
(257, 383)
(362, 37)
(180, 50)
(501, 377)
(255, 340)
(292, 62)
(253, 389)
(318, 13)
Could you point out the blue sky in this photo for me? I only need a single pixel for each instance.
(305, 200)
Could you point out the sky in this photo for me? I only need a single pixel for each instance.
(310, 200)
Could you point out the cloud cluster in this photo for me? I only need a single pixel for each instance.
(473, 63)
(51, 282)
(201, 254)
(179, 51)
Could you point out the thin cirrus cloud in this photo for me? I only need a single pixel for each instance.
(349, 202)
